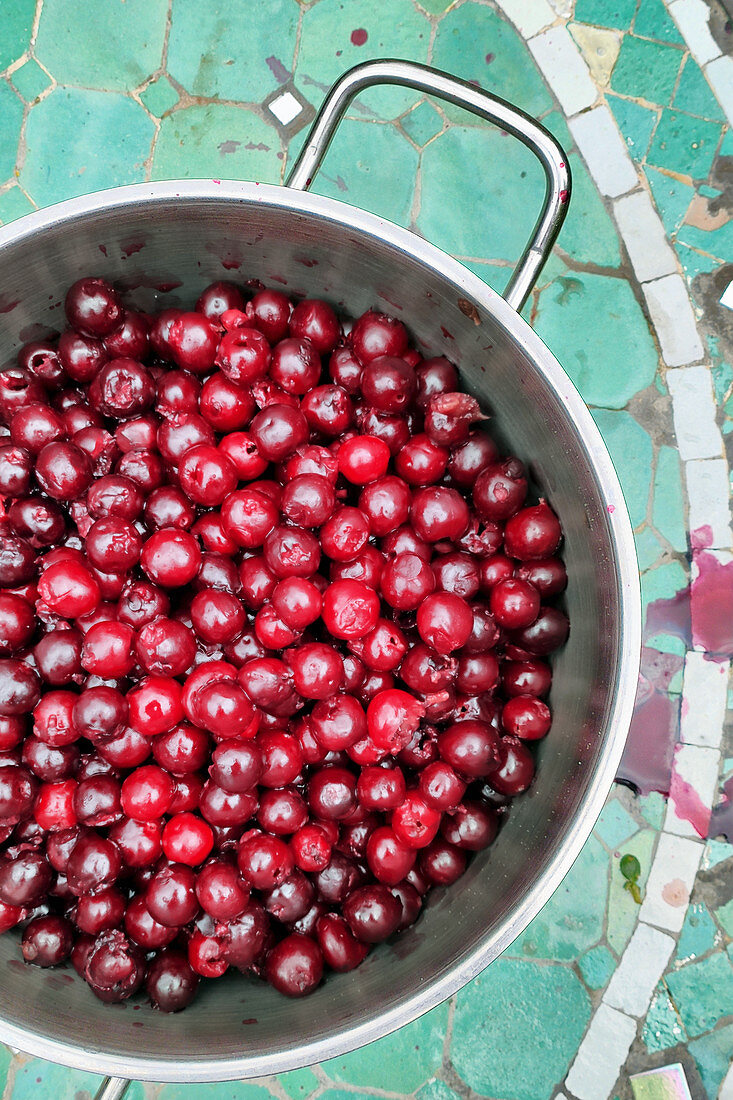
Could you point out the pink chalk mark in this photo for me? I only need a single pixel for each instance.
(611, 508)
(675, 893)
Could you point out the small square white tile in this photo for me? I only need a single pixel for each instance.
(692, 789)
(670, 882)
(671, 312)
(601, 1054)
(692, 18)
(285, 108)
(693, 411)
(704, 700)
(642, 965)
(720, 75)
(726, 1089)
(727, 296)
(644, 236)
(528, 16)
(564, 69)
(604, 151)
(708, 496)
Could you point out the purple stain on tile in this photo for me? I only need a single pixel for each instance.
(711, 599)
(226, 147)
(670, 615)
(489, 58)
(721, 819)
(358, 37)
(129, 248)
(647, 761)
(702, 537)
(255, 145)
(278, 70)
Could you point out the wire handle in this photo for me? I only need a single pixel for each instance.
(422, 78)
(112, 1088)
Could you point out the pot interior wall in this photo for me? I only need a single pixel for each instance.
(165, 252)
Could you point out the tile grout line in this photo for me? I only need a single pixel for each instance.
(614, 1024)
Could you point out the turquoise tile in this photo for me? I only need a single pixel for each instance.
(623, 913)
(359, 169)
(401, 1062)
(211, 54)
(662, 1028)
(299, 1083)
(608, 371)
(75, 168)
(653, 21)
(224, 1090)
(11, 118)
(724, 914)
(6, 1059)
(684, 144)
(511, 1010)
(336, 36)
(719, 241)
(648, 548)
(216, 141)
(624, 436)
(667, 506)
(30, 80)
(18, 18)
(477, 44)
(713, 1055)
(703, 992)
(698, 933)
(588, 234)
(160, 96)
(662, 583)
(646, 65)
(597, 966)
(694, 95)
(615, 824)
(606, 13)
(36, 1079)
(694, 262)
(572, 920)
(726, 147)
(717, 851)
(671, 196)
(13, 204)
(436, 1090)
(423, 123)
(653, 808)
(636, 124)
(112, 46)
(451, 165)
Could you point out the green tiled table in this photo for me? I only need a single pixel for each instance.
(97, 94)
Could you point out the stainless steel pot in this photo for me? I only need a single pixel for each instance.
(150, 236)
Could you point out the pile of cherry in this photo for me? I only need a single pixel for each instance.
(273, 615)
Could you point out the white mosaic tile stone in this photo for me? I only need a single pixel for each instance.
(528, 16)
(642, 965)
(694, 782)
(691, 17)
(674, 321)
(720, 74)
(670, 882)
(564, 69)
(708, 503)
(693, 410)
(704, 700)
(601, 1054)
(604, 151)
(643, 234)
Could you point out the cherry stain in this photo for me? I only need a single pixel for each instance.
(359, 37)
(712, 604)
(688, 805)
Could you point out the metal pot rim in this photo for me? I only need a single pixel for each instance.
(471, 287)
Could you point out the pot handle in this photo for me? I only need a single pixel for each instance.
(422, 78)
(112, 1088)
